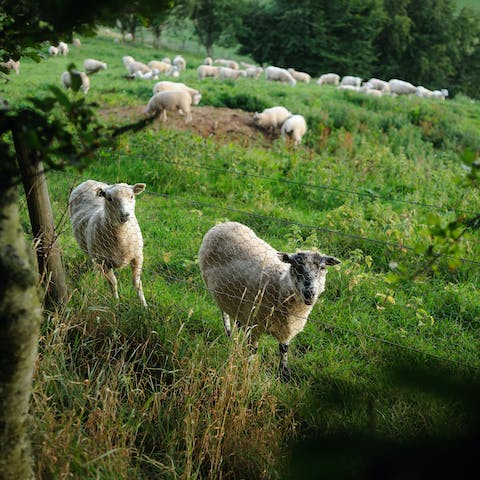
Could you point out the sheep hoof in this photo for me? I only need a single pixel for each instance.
(285, 374)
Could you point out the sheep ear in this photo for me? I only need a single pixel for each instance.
(331, 260)
(138, 188)
(285, 257)
(100, 192)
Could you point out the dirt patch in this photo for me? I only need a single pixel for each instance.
(223, 124)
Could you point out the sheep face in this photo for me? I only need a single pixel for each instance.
(120, 200)
(307, 273)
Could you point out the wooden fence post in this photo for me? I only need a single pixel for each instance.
(49, 256)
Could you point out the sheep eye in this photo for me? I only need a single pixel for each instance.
(110, 199)
(131, 197)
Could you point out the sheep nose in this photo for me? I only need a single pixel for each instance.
(124, 217)
(308, 297)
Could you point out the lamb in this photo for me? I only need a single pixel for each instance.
(11, 65)
(173, 100)
(166, 86)
(180, 63)
(350, 80)
(295, 127)
(270, 291)
(52, 51)
(92, 66)
(328, 79)
(226, 73)
(106, 228)
(271, 118)
(63, 49)
(207, 71)
(299, 76)
(278, 74)
(66, 80)
(401, 87)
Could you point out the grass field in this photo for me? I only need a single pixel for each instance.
(123, 392)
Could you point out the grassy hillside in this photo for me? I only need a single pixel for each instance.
(123, 392)
(469, 3)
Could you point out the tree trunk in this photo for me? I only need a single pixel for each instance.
(20, 317)
(49, 256)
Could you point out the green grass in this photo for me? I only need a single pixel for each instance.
(123, 392)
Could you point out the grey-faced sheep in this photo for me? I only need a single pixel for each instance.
(295, 128)
(106, 228)
(328, 79)
(66, 80)
(92, 66)
(278, 74)
(299, 76)
(257, 286)
(173, 100)
(165, 86)
(271, 118)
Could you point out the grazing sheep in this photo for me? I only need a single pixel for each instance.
(162, 67)
(52, 51)
(165, 86)
(271, 118)
(299, 76)
(371, 91)
(172, 100)
(253, 71)
(207, 71)
(134, 67)
(208, 61)
(77, 43)
(127, 60)
(166, 60)
(278, 74)
(378, 84)
(270, 291)
(440, 94)
(11, 65)
(226, 73)
(351, 88)
(228, 63)
(401, 87)
(92, 66)
(147, 75)
(66, 80)
(294, 127)
(350, 80)
(180, 63)
(328, 79)
(63, 49)
(106, 228)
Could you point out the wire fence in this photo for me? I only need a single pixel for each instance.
(235, 296)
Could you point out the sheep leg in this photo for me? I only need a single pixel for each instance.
(226, 323)
(188, 118)
(164, 115)
(283, 367)
(137, 281)
(112, 279)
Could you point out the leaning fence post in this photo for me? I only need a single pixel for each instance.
(49, 256)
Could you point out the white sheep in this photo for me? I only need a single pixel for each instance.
(401, 87)
(294, 127)
(11, 65)
(226, 73)
(351, 80)
(63, 49)
(66, 80)
(377, 84)
(271, 118)
(77, 43)
(207, 71)
(135, 66)
(228, 63)
(440, 94)
(162, 67)
(208, 61)
(172, 100)
(351, 88)
(269, 291)
(166, 60)
(106, 228)
(299, 76)
(253, 71)
(180, 63)
(127, 60)
(278, 74)
(152, 74)
(165, 86)
(328, 79)
(92, 66)
(52, 51)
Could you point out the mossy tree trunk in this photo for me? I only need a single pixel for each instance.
(20, 317)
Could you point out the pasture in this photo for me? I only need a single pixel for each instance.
(124, 392)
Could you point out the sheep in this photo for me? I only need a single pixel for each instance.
(351, 88)
(135, 66)
(278, 74)
(172, 100)
(106, 228)
(299, 76)
(127, 60)
(378, 84)
(401, 87)
(147, 75)
(166, 60)
(226, 73)
(162, 67)
(77, 43)
(295, 127)
(270, 291)
(208, 61)
(63, 49)
(328, 79)
(228, 63)
(423, 92)
(350, 80)
(165, 86)
(11, 65)
(440, 94)
(253, 72)
(271, 118)
(92, 66)
(207, 71)
(180, 63)
(52, 51)
(66, 80)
